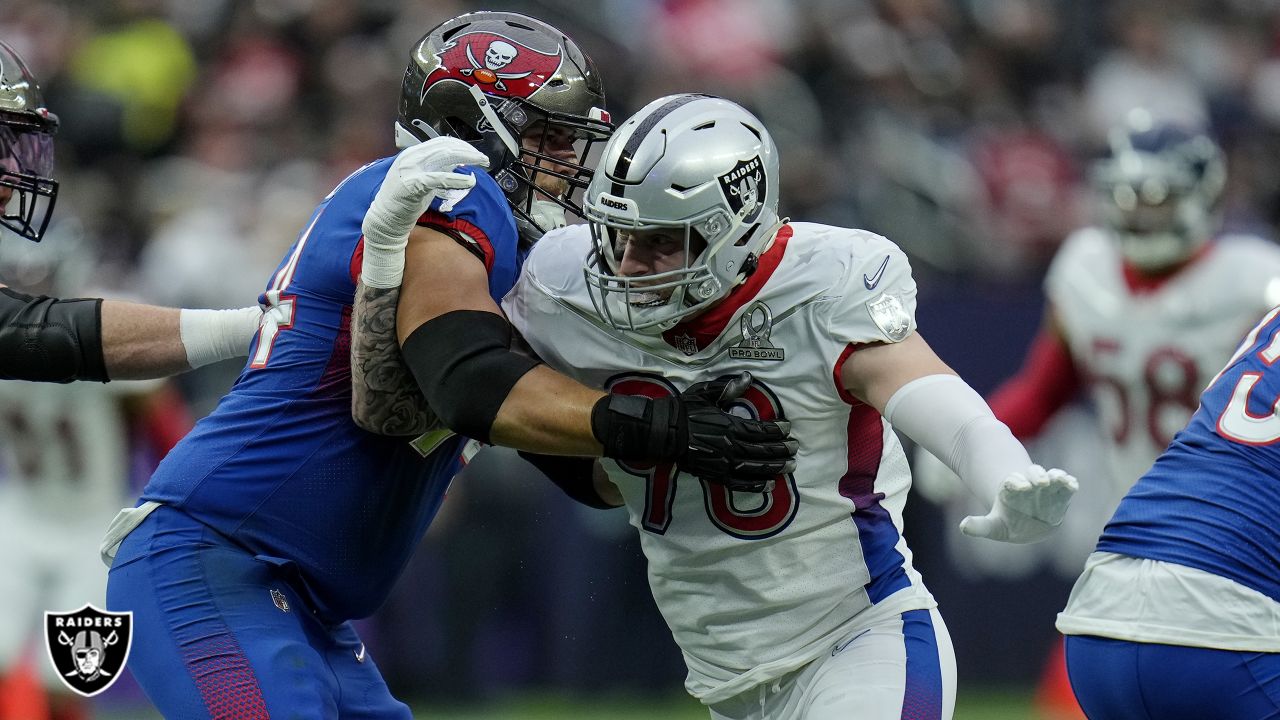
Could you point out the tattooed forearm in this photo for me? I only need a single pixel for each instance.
(384, 395)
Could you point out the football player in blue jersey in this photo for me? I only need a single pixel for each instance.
(1177, 612)
(277, 520)
(53, 340)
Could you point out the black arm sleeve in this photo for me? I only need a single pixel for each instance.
(464, 365)
(574, 475)
(50, 340)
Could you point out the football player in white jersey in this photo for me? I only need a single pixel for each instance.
(1146, 308)
(1177, 613)
(66, 452)
(1142, 311)
(798, 599)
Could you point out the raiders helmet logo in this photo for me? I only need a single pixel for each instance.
(744, 188)
(88, 647)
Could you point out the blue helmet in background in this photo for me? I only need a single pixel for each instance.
(1159, 186)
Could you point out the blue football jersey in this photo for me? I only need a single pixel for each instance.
(279, 467)
(1212, 500)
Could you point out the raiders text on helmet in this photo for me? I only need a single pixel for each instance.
(703, 168)
(27, 188)
(1159, 188)
(492, 77)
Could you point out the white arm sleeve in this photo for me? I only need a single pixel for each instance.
(949, 419)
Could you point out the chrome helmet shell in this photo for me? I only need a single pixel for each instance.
(700, 167)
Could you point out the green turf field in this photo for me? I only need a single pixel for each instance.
(972, 705)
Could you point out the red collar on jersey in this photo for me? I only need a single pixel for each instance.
(705, 328)
(1141, 283)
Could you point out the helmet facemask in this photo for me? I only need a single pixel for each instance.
(656, 301)
(546, 174)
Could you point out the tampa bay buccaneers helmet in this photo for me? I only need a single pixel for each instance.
(1159, 186)
(27, 189)
(490, 78)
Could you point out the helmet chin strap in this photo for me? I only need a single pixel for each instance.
(543, 217)
(547, 215)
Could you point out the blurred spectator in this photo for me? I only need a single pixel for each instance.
(199, 135)
(1142, 72)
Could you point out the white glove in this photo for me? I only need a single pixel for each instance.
(1028, 507)
(415, 178)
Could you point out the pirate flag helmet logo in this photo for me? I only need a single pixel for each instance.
(501, 65)
(88, 647)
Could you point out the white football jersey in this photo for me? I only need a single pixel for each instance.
(64, 470)
(64, 449)
(754, 586)
(1146, 354)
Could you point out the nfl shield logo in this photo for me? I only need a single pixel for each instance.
(88, 647)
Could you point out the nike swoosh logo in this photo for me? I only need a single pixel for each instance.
(840, 647)
(874, 280)
(360, 654)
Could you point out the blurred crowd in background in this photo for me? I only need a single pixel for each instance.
(198, 136)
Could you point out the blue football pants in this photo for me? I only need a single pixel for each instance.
(218, 633)
(1122, 680)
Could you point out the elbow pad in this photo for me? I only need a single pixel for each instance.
(44, 339)
(464, 365)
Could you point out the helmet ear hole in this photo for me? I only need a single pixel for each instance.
(747, 236)
(459, 128)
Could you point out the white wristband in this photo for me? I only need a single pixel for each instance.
(383, 265)
(213, 335)
(386, 229)
(948, 418)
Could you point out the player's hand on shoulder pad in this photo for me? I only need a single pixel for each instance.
(1028, 507)
(415, 177)
(427, 167)
(741, 453)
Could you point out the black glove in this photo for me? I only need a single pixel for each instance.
(743, 454)
(695, 432)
